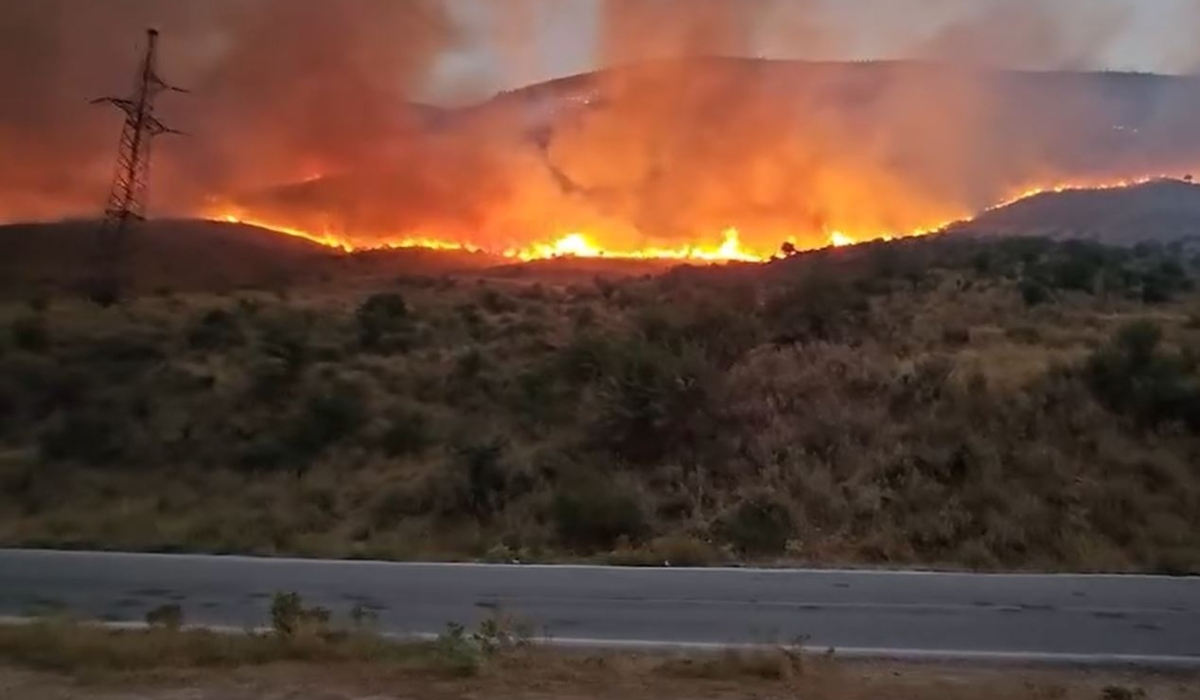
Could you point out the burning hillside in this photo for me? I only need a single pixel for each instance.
(1158, 210)
(307, 122)
(727, 159)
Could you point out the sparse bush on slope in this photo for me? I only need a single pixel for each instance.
(901, 403)
(383, 322)
(1134, 375)
(594, 515)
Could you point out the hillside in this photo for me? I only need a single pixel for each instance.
(1162, 210)
(951, 401)
(677, 147)
(194, 255)
(1081, 122)
(177, 255)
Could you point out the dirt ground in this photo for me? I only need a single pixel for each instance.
(611, 678)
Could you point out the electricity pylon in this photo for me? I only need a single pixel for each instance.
(127, 199)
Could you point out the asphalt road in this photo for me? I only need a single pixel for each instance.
(1086, 619)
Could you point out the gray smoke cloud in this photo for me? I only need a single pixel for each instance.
(289, 90)
(1031, 34)
(278, 87)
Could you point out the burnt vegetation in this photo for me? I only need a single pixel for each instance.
(1014, 403)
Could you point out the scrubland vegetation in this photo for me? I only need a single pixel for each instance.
(313, 652)
(991, 404)
(295, 632)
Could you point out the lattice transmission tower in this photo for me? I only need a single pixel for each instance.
(128, 196)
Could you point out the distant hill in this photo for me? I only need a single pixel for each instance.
(1162, 210)
(1083, 121)
(594, 145)
(189, 255)
(568, 269)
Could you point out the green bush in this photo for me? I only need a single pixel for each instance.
(216, 329)
(383, 322)
(538, 397)
(30, 333)
(33, 387)
(122, 357)
(656, 405)
(291, 618)
(1133, 375)
(586, 358)
(284, 337)
(594, 516)
(94, 435)
(471, 380)
(476, 325)
(169, 616)
(409, 432)
(1034, 293)
(270, 379)
(1076, 266)
(819, 308)
(483, 486)
(723, 334)
(760, 526)
(330, 413)
(495, 302)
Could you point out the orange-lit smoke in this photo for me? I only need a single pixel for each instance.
(304, 122)
(730, 248)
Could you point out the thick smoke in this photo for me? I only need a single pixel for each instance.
(303, 115)
(279, 87)
(688, 146)
(637, 30)
(1031, 34)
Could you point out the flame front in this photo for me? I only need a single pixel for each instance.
(728, 246)
(578, 245)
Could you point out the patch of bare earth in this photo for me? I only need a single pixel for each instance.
(583, 678)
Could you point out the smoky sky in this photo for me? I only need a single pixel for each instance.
(276, 86)
(284, 91)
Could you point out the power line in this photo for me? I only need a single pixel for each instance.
(129, 194)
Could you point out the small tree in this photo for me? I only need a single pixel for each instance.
(30, 333)
(290, 617)
(409, 432)
(215, 329)
(1034, 293)
(655, 404)
(1133, 375)
(759, 526)
(483, 477)
(819, 308)
(381, 319)
(95, 435)
(329, 414)
(594, 516)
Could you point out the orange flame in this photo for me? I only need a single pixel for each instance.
(579, 245)
(1061, 187)
(730, 248)
(840, 240)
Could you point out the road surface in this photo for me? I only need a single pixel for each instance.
(1085, 619)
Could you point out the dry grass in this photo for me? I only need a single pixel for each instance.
(65, 661)
(832, 410)
(73, 648)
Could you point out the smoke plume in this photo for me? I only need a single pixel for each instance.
(689, 144)
(279, 87)
(304, 115)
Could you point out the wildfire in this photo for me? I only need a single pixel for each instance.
(1061, 187)
(333, 241)
(840, 240)
(573, 245)
(577, 244)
